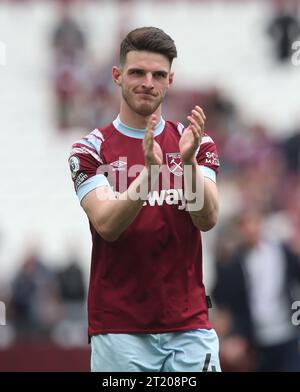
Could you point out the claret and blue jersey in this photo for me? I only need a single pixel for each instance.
(150, 279)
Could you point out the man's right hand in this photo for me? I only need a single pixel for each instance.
(152, 151)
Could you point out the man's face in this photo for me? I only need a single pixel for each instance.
(144, 80)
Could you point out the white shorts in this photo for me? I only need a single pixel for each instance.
(188, 351)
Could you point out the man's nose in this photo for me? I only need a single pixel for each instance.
(148, 81)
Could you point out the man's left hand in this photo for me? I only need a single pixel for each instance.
(192, 135)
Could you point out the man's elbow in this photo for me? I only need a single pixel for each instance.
(107, 233)
(206, 223)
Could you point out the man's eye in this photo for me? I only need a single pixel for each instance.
(136, 72)
(159, 75)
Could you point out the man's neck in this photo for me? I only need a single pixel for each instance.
(135, 120)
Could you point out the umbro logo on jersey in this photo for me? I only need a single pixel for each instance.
(118, 165)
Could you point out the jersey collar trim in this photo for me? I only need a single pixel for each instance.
(137, 133)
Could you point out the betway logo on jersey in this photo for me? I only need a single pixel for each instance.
(171, 197)
(168, 196)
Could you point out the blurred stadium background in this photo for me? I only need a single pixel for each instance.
(235, 60)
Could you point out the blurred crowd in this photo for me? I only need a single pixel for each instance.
(84, 94)
(45, 304)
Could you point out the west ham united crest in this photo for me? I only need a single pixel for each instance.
(174, 163)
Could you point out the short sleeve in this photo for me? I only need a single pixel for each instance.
(85, 164)
(207, 158)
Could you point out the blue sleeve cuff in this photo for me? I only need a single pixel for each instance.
(91, 184)
(209, 173)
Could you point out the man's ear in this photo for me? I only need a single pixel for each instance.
(117, 75)
(171, 78)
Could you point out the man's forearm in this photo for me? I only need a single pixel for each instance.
(117, 214)
(202, 201)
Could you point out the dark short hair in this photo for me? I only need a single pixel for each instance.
(150, 39)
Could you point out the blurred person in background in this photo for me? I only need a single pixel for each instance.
(291, 152)
(34, 302)
(71, 328)
(147, 305)
(71, 283)
(70, 67)
(255, 288)
(284, 28)
(104, 100)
